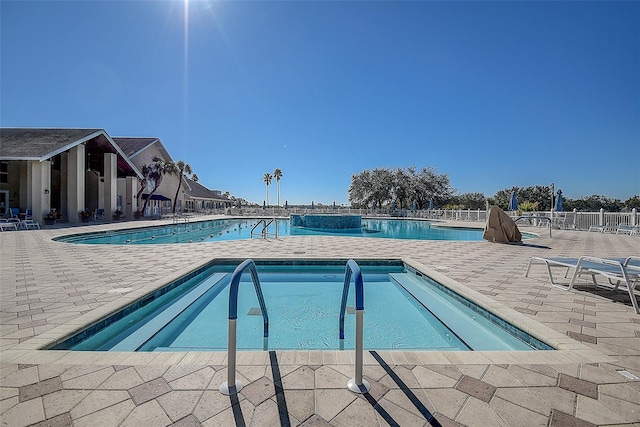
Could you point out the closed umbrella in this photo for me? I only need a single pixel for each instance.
(415, 205)
(431, 204)
(513, 202)
(559, 201)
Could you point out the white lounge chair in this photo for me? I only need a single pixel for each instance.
(7, 225)
(600, 228)
(617, 271)
(29, 224)
(628, 229)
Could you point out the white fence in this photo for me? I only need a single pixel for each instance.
(568, 220)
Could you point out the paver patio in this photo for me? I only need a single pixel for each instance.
(49, 289)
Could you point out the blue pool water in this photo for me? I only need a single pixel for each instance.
(235, 229)
(403, 310)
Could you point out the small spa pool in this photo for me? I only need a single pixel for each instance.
(404, 309)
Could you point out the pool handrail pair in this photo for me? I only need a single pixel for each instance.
(356, 384)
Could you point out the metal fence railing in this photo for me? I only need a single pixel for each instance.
(568, 220)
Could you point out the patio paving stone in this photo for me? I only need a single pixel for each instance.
(49, 289)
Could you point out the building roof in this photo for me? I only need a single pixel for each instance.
(40, 144)
(195, 190)
(134, 146)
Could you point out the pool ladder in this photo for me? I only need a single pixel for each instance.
(263, 233)
(356, 384)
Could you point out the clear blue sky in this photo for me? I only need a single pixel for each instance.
(494, 94)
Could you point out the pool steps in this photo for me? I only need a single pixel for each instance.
(457, 317)
(147, 331)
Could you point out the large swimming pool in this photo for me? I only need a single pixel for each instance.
(403, 310)
(235, 229)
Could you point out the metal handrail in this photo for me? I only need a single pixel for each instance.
(263, 233)
(357, 384)
(233, 386)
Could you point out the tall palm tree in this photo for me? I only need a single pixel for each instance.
(182, 169)
(267, 177)
(158, 169)
(277, 174)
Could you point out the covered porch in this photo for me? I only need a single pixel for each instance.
(65, 171)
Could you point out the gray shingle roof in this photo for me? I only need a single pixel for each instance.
(196, 190)
(31, 143)
(132, 146)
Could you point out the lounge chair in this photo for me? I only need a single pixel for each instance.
(617, 271)
(600, 228)
(628, 229)
(29, 224)
(7, 225)
(99, 214)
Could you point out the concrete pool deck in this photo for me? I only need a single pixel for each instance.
(50, 289)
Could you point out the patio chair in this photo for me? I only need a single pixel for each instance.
(7, 225)
(600, 228)
(617, 271)
(98, 214)
(628, 229)
(29, 224)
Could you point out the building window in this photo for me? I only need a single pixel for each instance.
(4, 172)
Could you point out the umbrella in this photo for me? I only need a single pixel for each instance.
(559, 201)
(431, 204)
(286, 204)
(394, 206)
(415, 205)
(334, 205)
(264, 204)
(513, 202)
(312, 204)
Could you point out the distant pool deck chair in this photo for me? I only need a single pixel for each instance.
(98, 215)
(600, 228)
(628, 229)
(617, 271)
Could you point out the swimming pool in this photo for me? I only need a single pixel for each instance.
(403, 310)
(236, 229)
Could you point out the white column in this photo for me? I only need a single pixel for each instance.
(75, 182)
(39, 178)
(110, 184)
(130, 202)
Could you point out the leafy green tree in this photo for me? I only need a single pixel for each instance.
(182, 169)
(537, 194)
(381, 183)
(632, 202)
(469, 201)
(594, 203)
(381, 187)
(402, 181)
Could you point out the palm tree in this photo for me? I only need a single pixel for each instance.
(182, 168)
(277, 174)
(157, 170)
(267, 177)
